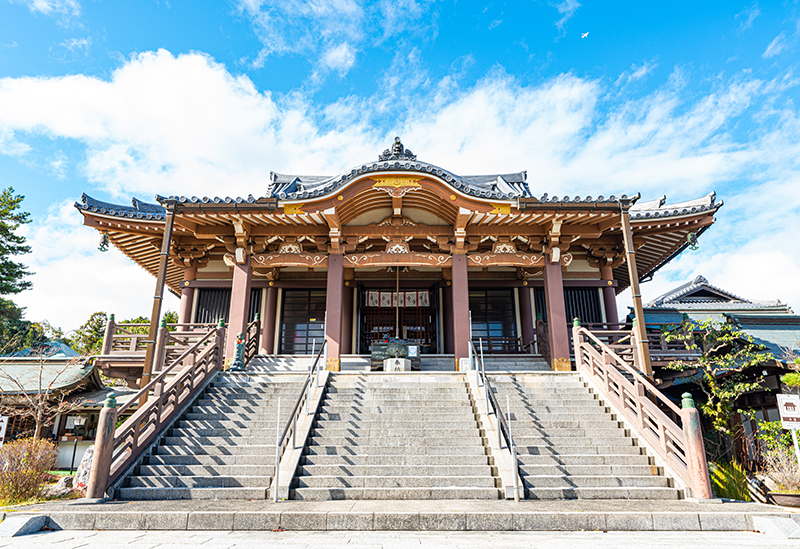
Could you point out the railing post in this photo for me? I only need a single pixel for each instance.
(576, 342)
(221, 344)
(277, 451)
(108, 338)
(103, 449)
(161, 346)
(695, 449)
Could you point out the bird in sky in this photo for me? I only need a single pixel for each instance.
(584, 35)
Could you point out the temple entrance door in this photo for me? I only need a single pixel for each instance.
(302, 322)
(378, 317)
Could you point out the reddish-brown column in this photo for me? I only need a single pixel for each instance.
(447, 318)
(347, 319)
(240, 304)
(187, 296)
(461, 327)
(333, 309)
(557, 330)
(609, 296)
(268, 324)
(526, 318)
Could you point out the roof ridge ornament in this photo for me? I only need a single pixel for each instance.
(397, 152)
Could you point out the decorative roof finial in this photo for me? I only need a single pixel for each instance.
(397, 152)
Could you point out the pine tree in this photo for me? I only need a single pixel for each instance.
(12, 273)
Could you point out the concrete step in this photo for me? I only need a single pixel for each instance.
(442, 452)
(325, 494)
(577, 450)
(390, 441)
(399, 431)
(590, 470)
(192, 493)
(334, 482)
(526, 460)
(212, 450)
(423, 470)
(463, 424)
(602, 493)
(264, 461)
(525, 432)
(464, 461)
(568, 442)
(603, 481)
(420, 415)
(198, 481)
(196, 432)
(219, 441)
(203, 470)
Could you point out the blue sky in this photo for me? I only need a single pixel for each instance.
(121, 99)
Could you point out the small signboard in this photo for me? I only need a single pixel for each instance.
(3, 426)
(413, 351)
(789, 408)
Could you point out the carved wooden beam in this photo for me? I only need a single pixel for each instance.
(290, 260)
(390, 260)
(334, 230)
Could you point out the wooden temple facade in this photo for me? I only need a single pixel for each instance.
(400, 247)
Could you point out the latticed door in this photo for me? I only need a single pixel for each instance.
(302, 321)
(379, 318)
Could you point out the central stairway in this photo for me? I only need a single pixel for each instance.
(223, 447)
(396, 436)
(571, 446)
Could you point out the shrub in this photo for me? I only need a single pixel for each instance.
(782, 467)
(792, 379)
(729, 481)
(774, 437)
(24, 468)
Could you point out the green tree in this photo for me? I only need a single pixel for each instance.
(724, 354)
(88, 339)
(12, 273)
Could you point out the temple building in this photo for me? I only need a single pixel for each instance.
(400, 247)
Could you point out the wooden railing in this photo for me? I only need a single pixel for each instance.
(129, 338)
(251, 339)
(654, 417)
(172, 389)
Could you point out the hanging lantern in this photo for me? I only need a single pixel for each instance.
(691, 238)
(103, 247)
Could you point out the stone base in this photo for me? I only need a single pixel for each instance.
(396, 365)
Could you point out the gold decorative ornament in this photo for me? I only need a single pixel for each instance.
(448, 283)
(340, 198)
(501, 209)
(346, 282)
(293, 209)
(452, 197)
(271, 283)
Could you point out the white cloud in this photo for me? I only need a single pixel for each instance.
(340, 58)
(62, 9)
(775, 47)
(747, 16)
(331, 31)
(185, 125)
(567, 9)
(73, 279)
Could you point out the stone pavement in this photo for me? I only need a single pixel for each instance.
(66, 539)
(443, 515)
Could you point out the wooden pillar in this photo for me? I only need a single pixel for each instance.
(347, 319)
(557, 329)
(447, 318)
(187, 295)
(270, 317)
(633, 275)
(158, 299)
(333, 311)
(460, 299)
(527, 328)
(609, 296)
(240, 304)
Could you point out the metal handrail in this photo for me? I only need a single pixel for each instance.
(503, 423)
(291, 424)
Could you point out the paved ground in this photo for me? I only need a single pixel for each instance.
(67, 539)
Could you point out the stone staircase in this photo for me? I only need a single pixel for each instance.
(571, 446)
(223, 447)
(395, 436)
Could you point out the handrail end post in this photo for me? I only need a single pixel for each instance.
(696, 459)
(100, 470)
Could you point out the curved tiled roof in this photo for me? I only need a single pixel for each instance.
(507, 186)
(137, 209)
(657, 208)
